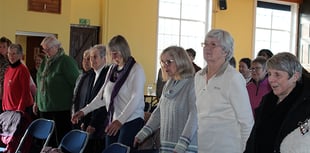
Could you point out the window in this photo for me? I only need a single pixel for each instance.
(276, 27)
(183, 23)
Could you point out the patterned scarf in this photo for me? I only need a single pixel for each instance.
(4, 63)
(46, 70)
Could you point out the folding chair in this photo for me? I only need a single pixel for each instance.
(40, 129)
(117, 148)
(74, 141)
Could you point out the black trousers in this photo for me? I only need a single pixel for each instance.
(62, 125)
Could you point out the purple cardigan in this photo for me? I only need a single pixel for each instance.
(257, 92)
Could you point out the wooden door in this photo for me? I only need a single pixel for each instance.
(81, 39)
(33, 48)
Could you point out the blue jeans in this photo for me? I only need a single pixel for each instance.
(127, 133)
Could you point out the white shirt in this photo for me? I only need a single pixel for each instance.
(129, 102)
(225, 117)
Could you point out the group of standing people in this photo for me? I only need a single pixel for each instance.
(225, 118)
(213, 109)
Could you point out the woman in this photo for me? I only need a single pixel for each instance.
(122, 94)
(56, 78)
(284, 109)
(244, 68)
(258, 85)
(224, 113)
(176, 114)
(17, 96)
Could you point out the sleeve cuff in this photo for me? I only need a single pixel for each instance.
(182, 145)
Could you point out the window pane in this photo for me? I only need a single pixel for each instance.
(280, 41)
(262, 39)
(194, 10)
(281, 20)
(191, 37)
(169, 8)
(168, 26)
(263, 18)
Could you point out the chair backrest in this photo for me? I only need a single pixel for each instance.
(39, 129)
(74, 141)
(117, 148)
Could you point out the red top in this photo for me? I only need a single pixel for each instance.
(17, 95)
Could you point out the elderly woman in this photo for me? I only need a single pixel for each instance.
(224, 113)
(176, 115)
(122, 94)
(17, 97)
(56, 78)
(258, 85)
(284, 109)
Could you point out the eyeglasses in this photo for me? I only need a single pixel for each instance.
(255, 69)
(210, 45)
(46, 50)
(166, 63)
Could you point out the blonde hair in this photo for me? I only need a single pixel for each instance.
(183, 63)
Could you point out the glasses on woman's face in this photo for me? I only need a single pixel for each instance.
(166, 63)
(209, 45)
(255, 69)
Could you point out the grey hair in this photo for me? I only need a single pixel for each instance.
(18, 47)
(101, 48)
(287, 62)
(51, 41)
(261, 60)
(119, 43)
(225, 39)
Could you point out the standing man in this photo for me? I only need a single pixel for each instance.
(95, 121)
(56, 79)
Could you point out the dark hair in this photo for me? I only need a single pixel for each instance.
(40, 55)
(232, 62)
(247, 61)
(265, 51)
(191, 52)
(5, 40)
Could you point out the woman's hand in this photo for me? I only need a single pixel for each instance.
(136, 142)
(76, 117)
(113, 128)
(35, 109)
(90, 129)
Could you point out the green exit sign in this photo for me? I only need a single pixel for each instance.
(84, 21)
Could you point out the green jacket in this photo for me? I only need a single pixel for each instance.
(59, 84)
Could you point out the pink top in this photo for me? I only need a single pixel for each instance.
(256, 93)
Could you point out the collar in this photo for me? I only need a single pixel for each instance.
(15, 64)
(219, 72)
(99, 70)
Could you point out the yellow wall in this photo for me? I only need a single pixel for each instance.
(16, 17)
(90, 9)
(238, 20)
(136, 20)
